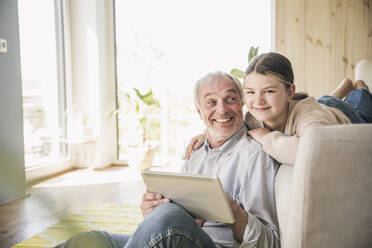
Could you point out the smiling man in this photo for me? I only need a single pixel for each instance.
(246, 173)
(218, 102)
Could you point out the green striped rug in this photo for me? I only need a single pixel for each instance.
(115, 218)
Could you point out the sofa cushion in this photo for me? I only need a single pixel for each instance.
(331, 197)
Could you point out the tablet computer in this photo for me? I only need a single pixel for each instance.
(202, 196)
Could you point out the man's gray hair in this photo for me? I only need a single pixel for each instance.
(214, 75)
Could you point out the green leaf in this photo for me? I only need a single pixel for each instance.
(147, 98)
(138, 93)
(150, 100)
(114, 112)
(142, 121)
(237, 73)
(252, 53)
(137, 107)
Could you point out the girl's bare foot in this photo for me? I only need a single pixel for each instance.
(344, 88)
(360, 84)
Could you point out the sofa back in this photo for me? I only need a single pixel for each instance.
(325, 200)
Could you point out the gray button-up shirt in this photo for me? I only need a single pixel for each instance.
(247, 174)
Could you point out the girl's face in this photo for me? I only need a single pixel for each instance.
(267, 99)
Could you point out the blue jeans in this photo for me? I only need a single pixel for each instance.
(96, 239)
(168, 225)
(357, 106)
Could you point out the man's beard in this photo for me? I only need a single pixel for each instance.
(216, 136)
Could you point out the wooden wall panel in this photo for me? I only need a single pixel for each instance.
(290, 17)
(338, 13)
(317, 45)
(357, 34)
(369, 54)
(324, 39)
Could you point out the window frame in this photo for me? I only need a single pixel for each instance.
(40, 170)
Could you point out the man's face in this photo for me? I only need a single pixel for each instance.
(220, 108)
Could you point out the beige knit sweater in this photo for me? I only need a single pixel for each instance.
(302, 114)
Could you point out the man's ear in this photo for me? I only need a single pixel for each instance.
(198, 110)
(291, 92)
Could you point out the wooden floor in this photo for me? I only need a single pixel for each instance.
(56, 198)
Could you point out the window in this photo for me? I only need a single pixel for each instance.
(165, 46)
(42, 65)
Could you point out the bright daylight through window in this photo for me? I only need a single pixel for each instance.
(162, 48)
(41, 81)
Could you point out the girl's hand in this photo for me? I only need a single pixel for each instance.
(195, 143)
(258, 133)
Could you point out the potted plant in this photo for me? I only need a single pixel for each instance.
(81, 139)
(141, 152)
(240, 74)
(141, 100)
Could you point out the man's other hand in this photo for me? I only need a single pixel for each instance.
(200, 222)
(241, 219)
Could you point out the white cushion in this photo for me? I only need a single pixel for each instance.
(363, 70)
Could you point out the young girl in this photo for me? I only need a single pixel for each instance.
(278, 117)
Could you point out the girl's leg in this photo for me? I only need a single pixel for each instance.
(360, 84)
(343, 89)
(343, 106)
(361, 100)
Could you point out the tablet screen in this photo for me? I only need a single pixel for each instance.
(202, 196)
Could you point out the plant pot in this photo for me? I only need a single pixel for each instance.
(84, 153)
(141, 157)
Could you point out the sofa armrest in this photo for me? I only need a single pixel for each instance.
(283, 186)
(331, 197)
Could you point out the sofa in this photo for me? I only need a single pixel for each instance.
(325, 199)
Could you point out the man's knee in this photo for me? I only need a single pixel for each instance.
(169, 215)
(169, 209)
(169, 225)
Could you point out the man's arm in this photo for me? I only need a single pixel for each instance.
(259, 234)
(261, 230)
(267, 236)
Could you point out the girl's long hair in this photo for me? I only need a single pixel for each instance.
(277, 66)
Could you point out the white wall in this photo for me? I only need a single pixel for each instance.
(12, 171)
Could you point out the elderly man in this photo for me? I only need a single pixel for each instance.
(246, 172)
